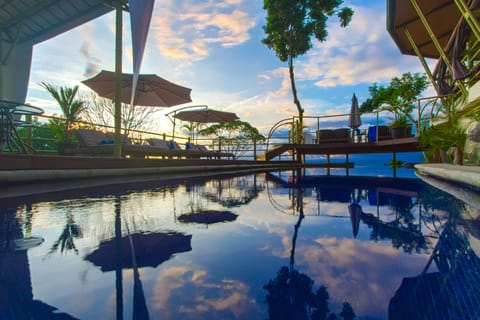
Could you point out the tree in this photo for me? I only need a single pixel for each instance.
(42, 134)
(291, 294)
(70, 106)
(191, 127)
(236, 136)
(101, 111)
(290, 27)
(398, 96)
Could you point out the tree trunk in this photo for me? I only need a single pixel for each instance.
(458, 156)
(300, 110)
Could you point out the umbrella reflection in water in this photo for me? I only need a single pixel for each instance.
(148, 249)
(208, 217)
(135, 251)
(355, 211)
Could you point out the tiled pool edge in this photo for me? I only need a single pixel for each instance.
(465, 175)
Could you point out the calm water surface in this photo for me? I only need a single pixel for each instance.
(257, 246)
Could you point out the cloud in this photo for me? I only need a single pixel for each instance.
(353, 269)
(363, 52)
(199, 294)
(184, 31)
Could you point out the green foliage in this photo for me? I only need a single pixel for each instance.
(400, 121)
(291, 25)
(42, 136)
(398, 96)
(470, 110)
(236, 136)
(449, 131)
(192, 127)
(396, 164)
(58, 128)
(71, 107)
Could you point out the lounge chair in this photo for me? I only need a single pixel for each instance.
(341, 135)
(205, 152)
(123, 138)
(94, 142)
(191, 150)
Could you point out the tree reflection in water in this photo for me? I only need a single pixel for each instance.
(291, 294)
(65, 241)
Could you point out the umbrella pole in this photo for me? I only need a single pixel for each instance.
(117, 150)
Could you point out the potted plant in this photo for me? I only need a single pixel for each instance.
(447, 135)
(71, 109)
(400, 127)
(57, 127)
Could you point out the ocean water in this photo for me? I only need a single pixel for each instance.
(378, 165)
(259, 245)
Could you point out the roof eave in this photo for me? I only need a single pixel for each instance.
(391, 4)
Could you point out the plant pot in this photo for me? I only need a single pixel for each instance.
(61, 147)
(400, 132)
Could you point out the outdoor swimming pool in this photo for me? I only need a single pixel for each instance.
(255, 246)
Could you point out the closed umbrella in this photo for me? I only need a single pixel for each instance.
(354, 120)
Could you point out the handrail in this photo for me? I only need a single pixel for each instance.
(275, 127)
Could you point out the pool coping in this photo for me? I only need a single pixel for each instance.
(464, 175)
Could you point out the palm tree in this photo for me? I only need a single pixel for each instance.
(71, 107)
(191, 127)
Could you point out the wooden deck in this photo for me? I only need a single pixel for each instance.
(409, 144)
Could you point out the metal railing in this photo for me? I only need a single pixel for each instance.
(39, 135)
(426, 109)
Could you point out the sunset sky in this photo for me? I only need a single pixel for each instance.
(214, 48)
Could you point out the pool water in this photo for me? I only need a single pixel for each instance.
(266, 245)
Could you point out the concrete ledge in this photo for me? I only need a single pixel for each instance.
(15, 176)
(466, 175)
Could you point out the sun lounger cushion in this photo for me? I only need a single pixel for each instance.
(196, 147)
(172, 145)
(89, 137)
(123, 138)
(159, 143)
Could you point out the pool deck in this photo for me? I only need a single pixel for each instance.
(409, 144)
(30, 168)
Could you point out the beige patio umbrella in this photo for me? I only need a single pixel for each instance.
(152, 90)
(206, 115)
(203, 115)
